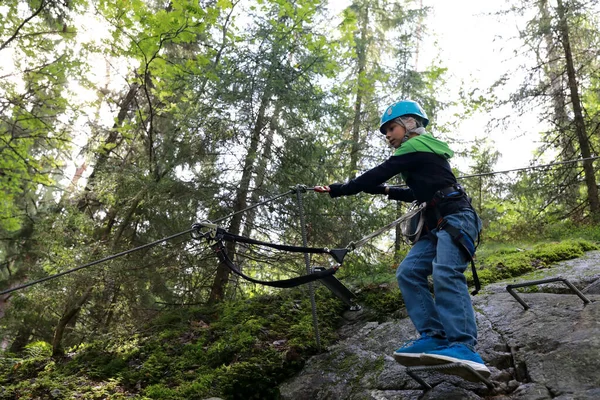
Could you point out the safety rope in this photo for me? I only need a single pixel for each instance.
(218, 235)
(145, 246)
(111, 257)
(404, 217)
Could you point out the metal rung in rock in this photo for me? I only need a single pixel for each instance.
(514, 294)
(459, 369)
(338, 289)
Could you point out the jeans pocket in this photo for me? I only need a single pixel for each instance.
(466, 220)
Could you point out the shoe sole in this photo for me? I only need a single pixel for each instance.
(408, 359)
(459, 370)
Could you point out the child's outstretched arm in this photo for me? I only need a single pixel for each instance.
(401, 194)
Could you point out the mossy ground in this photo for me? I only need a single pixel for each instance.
(510, 261)
(238, 350)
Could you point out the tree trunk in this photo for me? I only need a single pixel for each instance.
(111, 139)
(111, 310)
(21, 338)
(361, 50)
(20, 258)
(580, 128)
(261, 170)
(67, 317)
(554, 71)
(220, 282)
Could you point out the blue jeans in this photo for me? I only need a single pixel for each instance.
(450, 313)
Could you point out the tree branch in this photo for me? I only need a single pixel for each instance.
(43, 4)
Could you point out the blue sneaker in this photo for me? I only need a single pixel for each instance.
(411, 351)
(460, 354)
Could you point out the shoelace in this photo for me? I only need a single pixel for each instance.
(412, 341)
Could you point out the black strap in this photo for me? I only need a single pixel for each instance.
(467, 245)
(337, 254)
(284, 283)
(455, 191)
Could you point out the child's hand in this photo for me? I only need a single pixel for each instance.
(322, 189)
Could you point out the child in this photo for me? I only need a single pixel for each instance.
(446, 323)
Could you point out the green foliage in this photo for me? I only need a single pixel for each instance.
(38, 350)
(504, 265)
(256, 378)
(569, 229)
(208, 107)
(553, 252)
(160, 391)
(239, 350)
(36, 107)
(383, 299)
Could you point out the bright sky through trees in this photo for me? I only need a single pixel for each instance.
(462, 35)
(477, 47)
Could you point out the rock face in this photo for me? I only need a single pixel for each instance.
(550, 351)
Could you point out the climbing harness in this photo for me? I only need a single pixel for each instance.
(462, 239)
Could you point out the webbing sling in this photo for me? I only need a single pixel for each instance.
(467, 245)
(337, 254)
(219, 248)
(461, 238)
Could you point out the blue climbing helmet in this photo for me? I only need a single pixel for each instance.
(400, 109)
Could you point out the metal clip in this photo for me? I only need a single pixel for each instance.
(210, 233)
(299, 188)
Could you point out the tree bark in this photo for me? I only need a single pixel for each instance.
(580, 128)
(554, 71)
(68, 316)
(261, 170)
(111, 139)
(361, 50)
(21, 338)
(221, 279)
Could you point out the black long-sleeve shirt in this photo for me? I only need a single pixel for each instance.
(425, 173)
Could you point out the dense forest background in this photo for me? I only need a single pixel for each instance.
(124, 122)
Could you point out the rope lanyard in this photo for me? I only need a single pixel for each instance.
(337, 254)
(404, 217)
(219, 248)
(216, 234)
